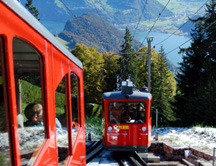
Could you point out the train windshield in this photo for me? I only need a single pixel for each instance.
(127, 112)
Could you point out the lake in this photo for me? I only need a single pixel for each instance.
(171, 43)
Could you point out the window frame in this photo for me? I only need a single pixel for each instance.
(42, 89)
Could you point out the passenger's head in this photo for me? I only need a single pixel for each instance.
(34, 112)
(138, 106)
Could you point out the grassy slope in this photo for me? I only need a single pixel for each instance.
(63, 42)
(177, 6)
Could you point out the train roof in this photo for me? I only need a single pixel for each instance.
(133, 95)
(128, 92)
(35, 24)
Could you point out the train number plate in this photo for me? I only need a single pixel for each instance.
(123, 127)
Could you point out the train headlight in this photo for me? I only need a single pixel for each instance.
(110, 128)
(143, 128)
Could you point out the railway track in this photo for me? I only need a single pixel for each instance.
(97, 155)
(93, 148)
(129, 158)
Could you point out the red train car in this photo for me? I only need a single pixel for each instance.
(37, 71)
(127, 119)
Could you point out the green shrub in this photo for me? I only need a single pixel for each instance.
(4, 159)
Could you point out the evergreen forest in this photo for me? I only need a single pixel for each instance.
(196, 81)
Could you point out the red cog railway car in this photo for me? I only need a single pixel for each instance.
(36, 68)
(127, 119)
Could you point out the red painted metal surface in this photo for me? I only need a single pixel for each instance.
(55, 66)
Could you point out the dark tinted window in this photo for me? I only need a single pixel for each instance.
(127, 112)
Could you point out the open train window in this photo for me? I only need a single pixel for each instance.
(28, 82)
(75, 99)
(61, 121)
(4, 141)
(127, 112)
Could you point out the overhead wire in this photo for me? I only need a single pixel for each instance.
(99, 15)
(140, 18)
(188, 40)
(68, 9)
(178, 46)
(181, 25)
(155, 22)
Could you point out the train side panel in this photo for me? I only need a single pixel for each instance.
(53, 67)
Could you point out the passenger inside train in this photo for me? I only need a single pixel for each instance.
(116, 112)
(34, 114)
(140, 118)
(127, 112)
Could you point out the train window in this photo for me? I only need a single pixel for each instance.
(4, 142)
(28, 78)
(61, 122)
(75, 105)
(127, 112)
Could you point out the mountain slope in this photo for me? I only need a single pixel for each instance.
(91, 30)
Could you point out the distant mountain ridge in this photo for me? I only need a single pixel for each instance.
(91, 30)
(113, 11)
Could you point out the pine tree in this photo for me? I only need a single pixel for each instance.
(197, 76)
(33, 10)
(163, 85)
(162, 89)
(128, 60)
(210, 37)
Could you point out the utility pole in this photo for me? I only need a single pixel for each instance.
(149, 40)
